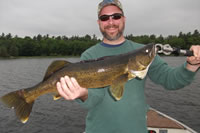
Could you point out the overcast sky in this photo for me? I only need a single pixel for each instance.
(72, 17)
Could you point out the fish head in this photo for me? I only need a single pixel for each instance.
(142, 58)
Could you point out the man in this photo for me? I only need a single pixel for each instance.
(128, 115)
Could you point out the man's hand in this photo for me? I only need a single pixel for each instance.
(194, 61)
(69, 89)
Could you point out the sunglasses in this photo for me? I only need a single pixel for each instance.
(115, 16)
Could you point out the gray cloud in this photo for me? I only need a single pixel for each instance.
(64, 17)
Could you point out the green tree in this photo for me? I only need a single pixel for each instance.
(3, 51)
(13, 50)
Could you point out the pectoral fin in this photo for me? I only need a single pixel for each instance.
(117, 87)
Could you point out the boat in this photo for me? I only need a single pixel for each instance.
(159, 122)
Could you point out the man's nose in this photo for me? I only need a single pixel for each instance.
(110, 21)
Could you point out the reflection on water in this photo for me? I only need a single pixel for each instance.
(67, 117)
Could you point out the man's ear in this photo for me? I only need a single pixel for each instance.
(98, 21)
(124, 19)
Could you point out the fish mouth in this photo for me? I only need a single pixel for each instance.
(153, 52)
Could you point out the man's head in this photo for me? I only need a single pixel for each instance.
(111, 20)
(109, 2)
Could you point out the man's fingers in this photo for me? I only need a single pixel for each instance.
(196, 50)
(75, 83)
(66, 86)
(69, 88)
(70, 84)
(60, 90)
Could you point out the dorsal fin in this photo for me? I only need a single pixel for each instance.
(55, 66)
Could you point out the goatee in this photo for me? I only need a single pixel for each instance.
(112, 38)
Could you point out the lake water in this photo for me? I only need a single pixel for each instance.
(63, 116)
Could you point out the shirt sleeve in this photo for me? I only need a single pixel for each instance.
(170, 78)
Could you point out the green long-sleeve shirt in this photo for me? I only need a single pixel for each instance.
(105, 115)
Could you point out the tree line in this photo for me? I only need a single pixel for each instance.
(14, 46)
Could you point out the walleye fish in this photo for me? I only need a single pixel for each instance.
(112, 71)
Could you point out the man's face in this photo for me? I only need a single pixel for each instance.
(112, 29)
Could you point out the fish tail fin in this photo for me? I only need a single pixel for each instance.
(15, 100)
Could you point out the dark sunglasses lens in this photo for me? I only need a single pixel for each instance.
(116, 16)
(104, 17)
